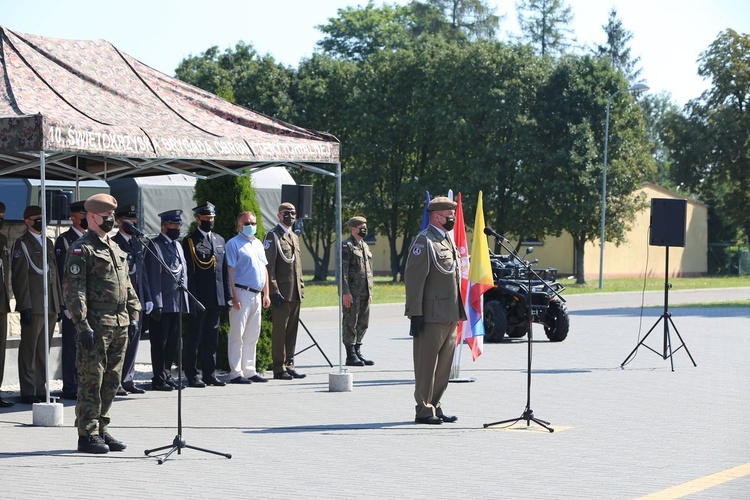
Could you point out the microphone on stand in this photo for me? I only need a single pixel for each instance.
(489, 232)
(130, 228)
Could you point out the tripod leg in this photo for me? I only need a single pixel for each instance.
(641, 342)
(682, 341)
(227, 455)
(148, 452)
(514, 420)
(315, 343)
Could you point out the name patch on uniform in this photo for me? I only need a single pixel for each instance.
(417, 248)
(74, 269)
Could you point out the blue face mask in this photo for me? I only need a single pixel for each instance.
(249, 230)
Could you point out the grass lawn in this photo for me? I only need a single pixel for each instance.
(319, 294)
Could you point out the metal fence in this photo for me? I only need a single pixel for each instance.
(728, 259)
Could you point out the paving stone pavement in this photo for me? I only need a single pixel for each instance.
(620, 433)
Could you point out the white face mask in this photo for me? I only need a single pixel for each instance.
(249, 230)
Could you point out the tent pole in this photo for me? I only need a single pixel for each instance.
(45, 267)
(337, 256)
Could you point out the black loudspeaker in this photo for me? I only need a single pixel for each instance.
(58, 201)
(668, 218)
(299, 195)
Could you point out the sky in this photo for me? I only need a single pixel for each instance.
(668, 35)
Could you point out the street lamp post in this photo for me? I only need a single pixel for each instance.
(638, 87)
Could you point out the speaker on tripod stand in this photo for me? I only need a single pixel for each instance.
(668, 218)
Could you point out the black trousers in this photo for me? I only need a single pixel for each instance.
(128, 365)
(164, 335)
(68, 358)
(202, 337)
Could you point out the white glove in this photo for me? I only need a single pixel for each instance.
(149, 307)
(67, 314)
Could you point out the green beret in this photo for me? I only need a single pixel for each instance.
(100, 203)
(356, 221)
(441, 203)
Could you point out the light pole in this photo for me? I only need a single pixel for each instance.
(638, 87)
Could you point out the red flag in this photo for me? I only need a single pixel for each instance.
(459, 236)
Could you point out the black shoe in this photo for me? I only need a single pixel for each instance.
(429, 420)
(212, 380)
(69, 395)
(92, 444)
(121, 392)
(282, 376)
(173, 383)
(161, 386)
(258, 378)
(448, 418)
(358, 352)
(295, 374)
(112, 443)
(30, 400)
(196, 382)
(5, 404)
(240, 380)
(133, 389)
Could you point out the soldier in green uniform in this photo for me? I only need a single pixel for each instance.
(356, 290)
(102, 304)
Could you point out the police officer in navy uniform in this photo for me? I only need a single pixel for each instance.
(135, 251)
(4, 301)
(205, 255)
(164, 319)
(62, 243)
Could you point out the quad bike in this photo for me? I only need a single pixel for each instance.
(505, 305)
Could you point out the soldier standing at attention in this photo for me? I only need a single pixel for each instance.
(205, 255)
(4, 302)
(27, 278)
(134, 249)
(356, 290)
(433, 304)
(287, 291)
(102, 305)
(62, 243)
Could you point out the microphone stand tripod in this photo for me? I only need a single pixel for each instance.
(528, 413)
(178, 443)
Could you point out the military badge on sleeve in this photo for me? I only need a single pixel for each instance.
(417, 249)
(267, 244)
(74, 269)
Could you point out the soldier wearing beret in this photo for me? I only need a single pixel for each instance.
(62, 243)
(4, 302)
(27, 277)
(287, 291)
(102, 304)
(356, 290)
(433, 305)
(134, 249)
(169, 303)
(205, 255)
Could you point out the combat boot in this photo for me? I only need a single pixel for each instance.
(92, 444)
(368, 362)
(351, 357)
(112, 443)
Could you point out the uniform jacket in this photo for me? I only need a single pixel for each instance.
(433, 279)
(136, 265)
(62, 243)
(27, 279)
(97, 287)
(284, 263)
(208, 282)
(356, 265)
(4, 268)
(163, 286)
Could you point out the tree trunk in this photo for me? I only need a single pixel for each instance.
(578, 256)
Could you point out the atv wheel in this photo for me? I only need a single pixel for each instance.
(518, 331)
(557, 321)
(495, 320)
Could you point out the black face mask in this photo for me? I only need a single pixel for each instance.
(288, 220)
(84, 223)
(449, 222)
(108, 222)
(125, 230)
(173, 233)
(37, 225)
(207, 226)
(363, 232)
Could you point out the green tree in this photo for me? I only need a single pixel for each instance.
(545, 24)
(571, 130)
(616, 47)
(474, 19)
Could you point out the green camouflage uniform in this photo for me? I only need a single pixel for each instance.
(98, 293)
(356, 265)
